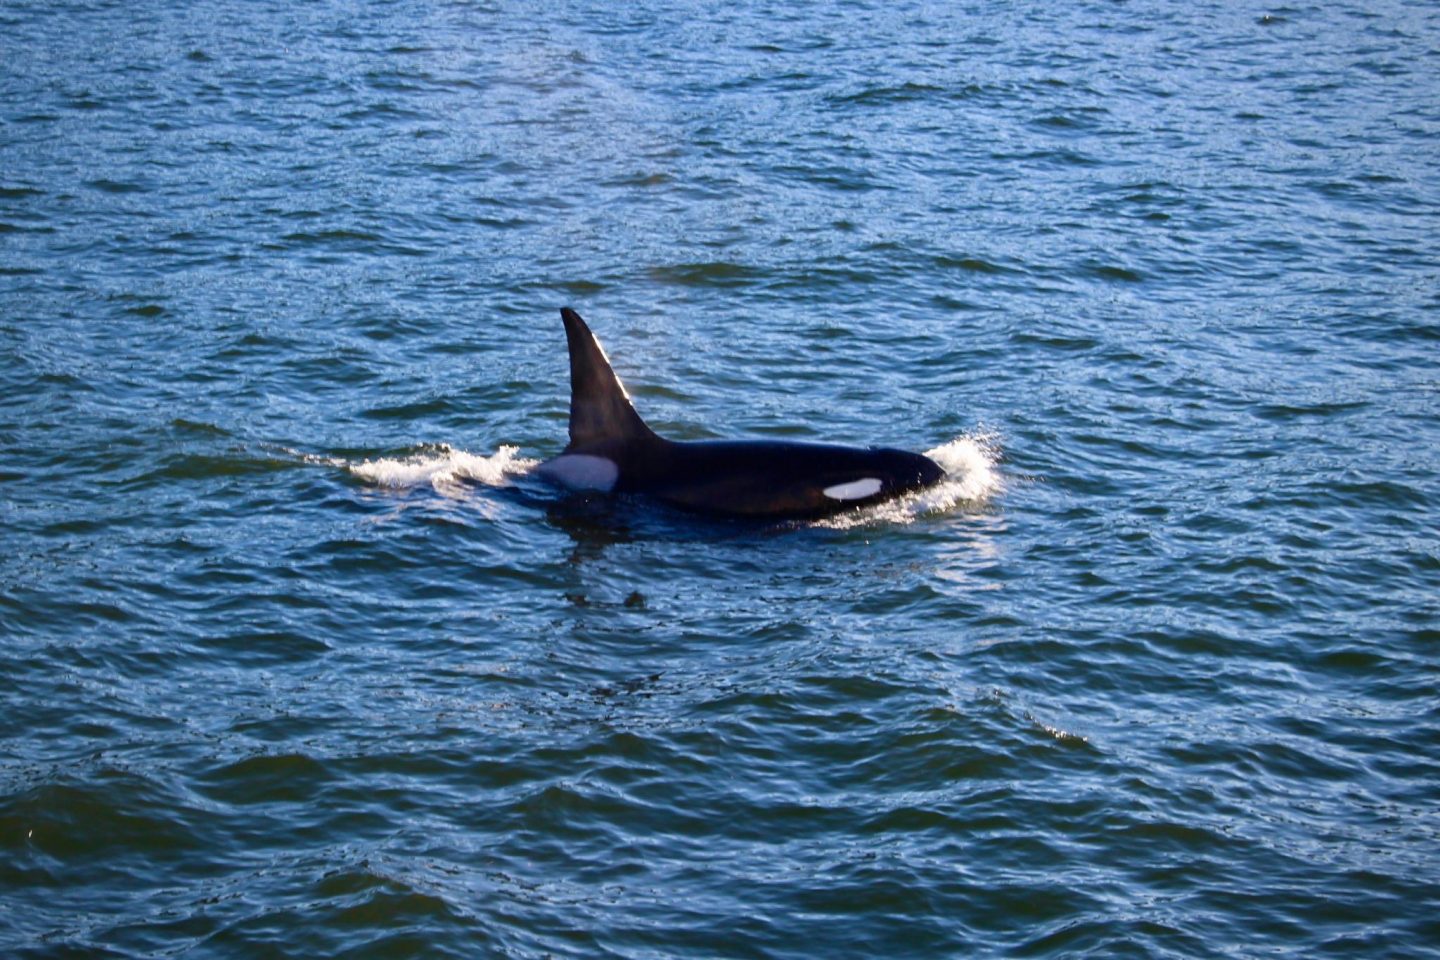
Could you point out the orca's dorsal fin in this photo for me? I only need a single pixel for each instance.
(600, 408)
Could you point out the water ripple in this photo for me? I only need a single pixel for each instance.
(299, 657)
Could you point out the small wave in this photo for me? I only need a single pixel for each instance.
(971, 476)
(444, 468)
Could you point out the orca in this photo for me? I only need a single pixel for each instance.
(612, 450)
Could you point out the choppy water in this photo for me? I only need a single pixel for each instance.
(298, 661)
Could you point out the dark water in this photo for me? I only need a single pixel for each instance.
(297, 661)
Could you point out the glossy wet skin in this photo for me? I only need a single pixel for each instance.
(766, 478)
(612, 450)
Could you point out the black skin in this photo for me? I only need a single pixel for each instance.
(763, 479)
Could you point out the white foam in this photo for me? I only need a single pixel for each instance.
(970, 467)
(971, 477)
(445, 469)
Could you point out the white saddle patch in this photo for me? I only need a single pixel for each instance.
(581, 471)
(854, 490)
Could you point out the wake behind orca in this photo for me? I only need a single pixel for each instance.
(612, 450)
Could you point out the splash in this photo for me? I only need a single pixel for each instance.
(971, 476)
(445, 469)
(970, 468)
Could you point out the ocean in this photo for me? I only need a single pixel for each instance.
(298, 657)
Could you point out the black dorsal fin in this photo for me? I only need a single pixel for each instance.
(600, 408)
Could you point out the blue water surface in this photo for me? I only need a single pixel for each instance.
(298, 659)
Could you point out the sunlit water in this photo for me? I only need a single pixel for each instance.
(299, 657)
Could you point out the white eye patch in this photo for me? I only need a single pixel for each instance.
(581, 471)
(854, 490)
